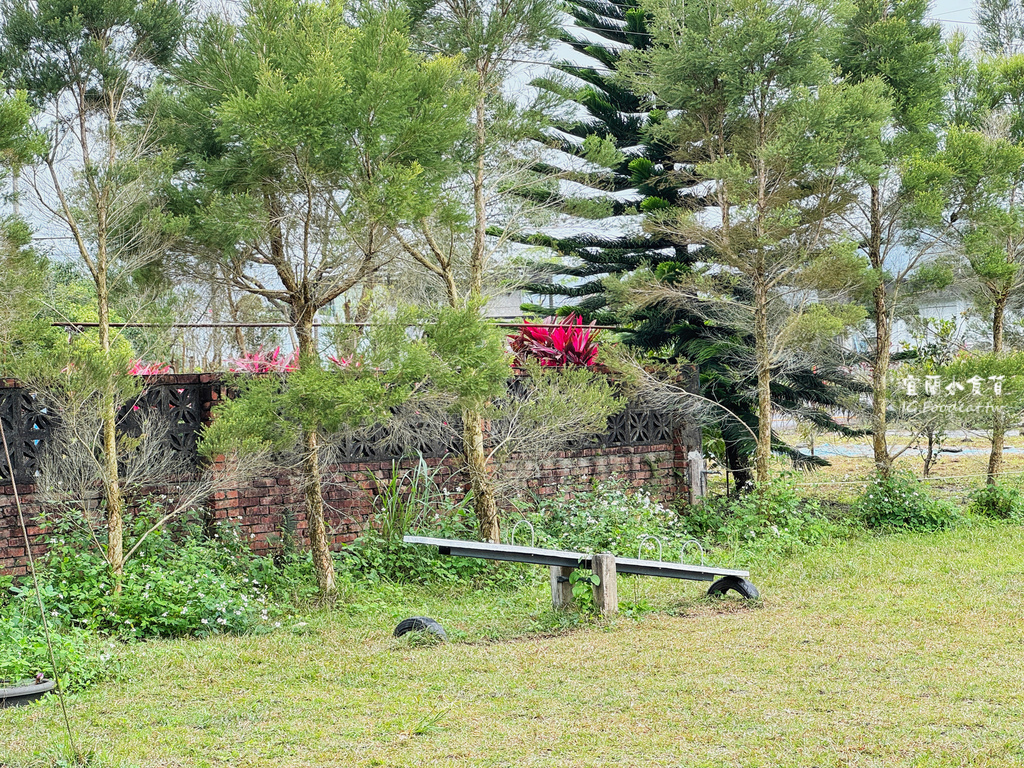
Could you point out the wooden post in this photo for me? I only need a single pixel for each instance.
(561, 591)
(606, 593)
(697, 477)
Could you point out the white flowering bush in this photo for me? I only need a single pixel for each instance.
(901, 501)
(607, 517)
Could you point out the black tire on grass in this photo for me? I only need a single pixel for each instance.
(420, 624)
(736, 584)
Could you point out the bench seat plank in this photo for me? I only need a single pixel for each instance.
(566, 559)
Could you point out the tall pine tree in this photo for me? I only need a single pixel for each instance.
(891, 40)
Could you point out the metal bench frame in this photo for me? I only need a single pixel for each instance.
(605, 565)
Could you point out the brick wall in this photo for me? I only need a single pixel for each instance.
(269, 510)
(13, 557)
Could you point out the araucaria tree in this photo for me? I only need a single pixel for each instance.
(756, 113)
(620, 168)
(87, 69)
(301, 130)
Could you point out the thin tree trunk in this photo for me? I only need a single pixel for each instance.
(737, 462)
(764, 381)
(480, 481)
(484, 502)
(218, 345)
(995, 457)
(883, 341)
(233, 310)
(323, 564)
(112, 492)
(929, 456)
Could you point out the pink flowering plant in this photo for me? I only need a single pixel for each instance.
(142, 368)
(556, 342)
(261, 361)
(345, 362)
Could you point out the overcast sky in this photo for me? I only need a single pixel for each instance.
(954, 13)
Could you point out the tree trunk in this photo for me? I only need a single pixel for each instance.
(216, 335)
(323, 564)
(995, 457)
(738, 463)
(112, 492)
(929, 456)
(762, 356)
(484, 503)
(883, 341)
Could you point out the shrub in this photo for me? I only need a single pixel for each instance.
(261, 361)
(607, 517)
(408, 501)
(143, 368)
(901, 501)
(375, 558)
(169, 588)
(24, 654)
(997, 501)
(776, 518)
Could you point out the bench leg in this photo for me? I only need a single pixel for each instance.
(561, 589)
(606, 592)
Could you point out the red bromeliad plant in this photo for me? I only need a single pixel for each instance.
(556, 342)
(265, 362)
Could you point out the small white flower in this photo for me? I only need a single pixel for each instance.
(205, 621)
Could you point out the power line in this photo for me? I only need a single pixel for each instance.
(951, 21)
(339, 324)
(623, 30)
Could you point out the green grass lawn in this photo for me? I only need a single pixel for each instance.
(892, 651)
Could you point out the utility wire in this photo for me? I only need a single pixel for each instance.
(339, 324)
